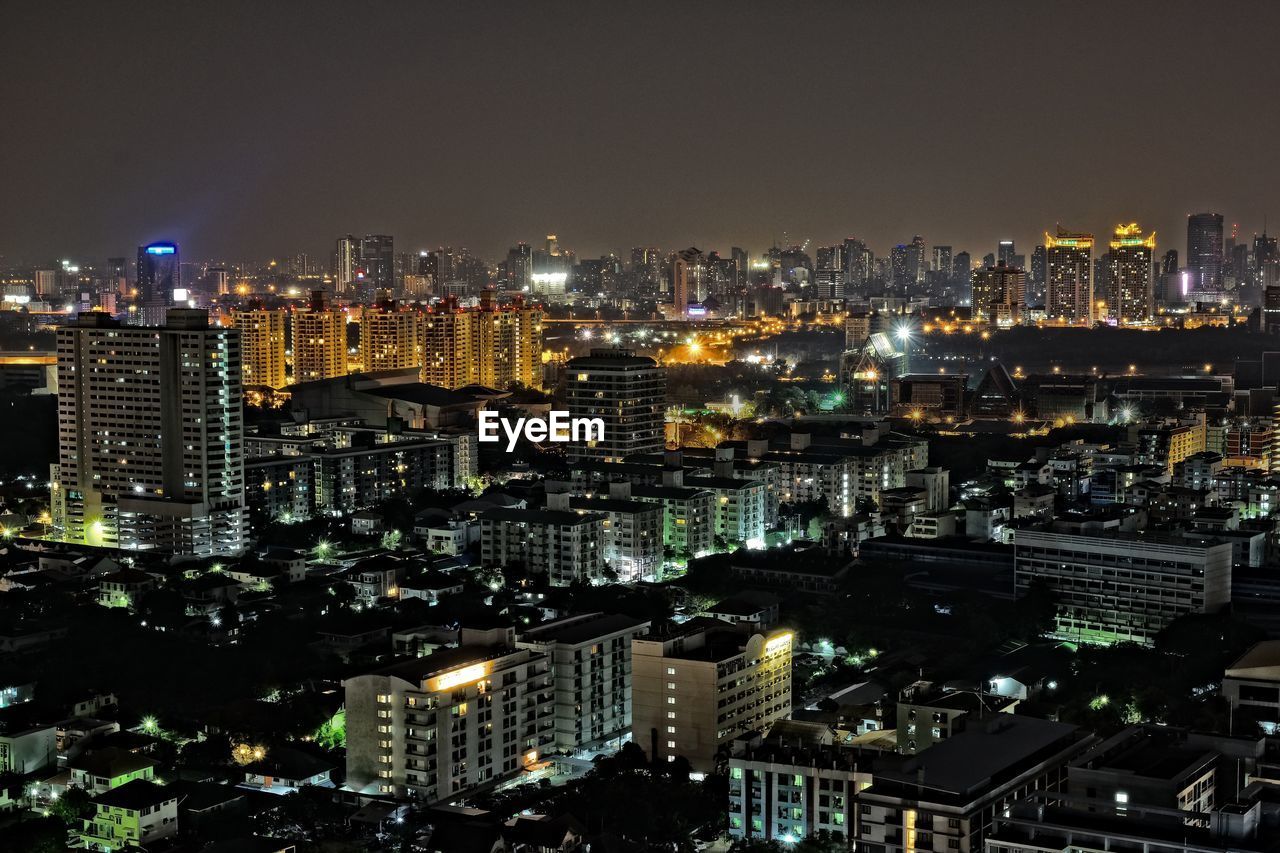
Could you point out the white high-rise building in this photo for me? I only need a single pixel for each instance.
(150, 436)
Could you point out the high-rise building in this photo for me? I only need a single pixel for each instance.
(1005, 253)
(1204, 250)
(999, 295)
(262, 343)
(492, 346)
(1069, 270)
(389, 339)
(150, 436)
(1130, 296)
(519, 267)
(438, 727)
(158, 281)
(1039, 270)
(319, 340)
(941, 259)
(687, 280)
(697, 686)
(628, 392)
(591, 666)
(377, 267)
(346, 265)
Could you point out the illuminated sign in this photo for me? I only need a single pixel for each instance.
(549, 277)
(777, 644)
(162, 249)
(459, 677)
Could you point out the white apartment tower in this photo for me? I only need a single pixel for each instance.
(150, 436)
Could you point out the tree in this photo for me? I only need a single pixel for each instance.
(73, 806)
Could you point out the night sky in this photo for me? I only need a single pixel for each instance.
(255, 130)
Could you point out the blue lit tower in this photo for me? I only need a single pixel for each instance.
(158, 278)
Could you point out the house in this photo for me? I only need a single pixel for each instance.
(137, 814)
(284, 771)
(366, 522)
(28, 750)
(124, 588)
(104, 770)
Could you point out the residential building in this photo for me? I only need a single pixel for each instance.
(150, 436)
(135, 815)
(262, 345)
(450, 723)
(319, 340)
(590, 656)
(563, 545)
(389, 338)
(1069, 288)
(493, 346)
(699, 685)
(627, 392)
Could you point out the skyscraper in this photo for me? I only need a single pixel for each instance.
(389, 339)
(377, 264)
(1069, 286)
(687, 274)
(628, 392)
(319, 340)
(262, 343)
(1131, 289)
(1204, 250)
(151, 436)
(519, 267)
(1039, 267)
(158, 278)
(1005, 252)
(346, 264)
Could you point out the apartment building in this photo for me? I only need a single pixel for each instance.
(590, 658)
(262, 344)
(450, 723)
(632, 531)
(699, 685)
(150, 436)
(563, 545)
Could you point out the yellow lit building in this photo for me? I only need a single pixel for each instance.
(319, 341)
(1069, 278)
(262, 344)
(1130, 284)
(490, 346)
(389, 339)
(440, 726)
(703, 683)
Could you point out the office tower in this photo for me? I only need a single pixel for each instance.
(492, 346)
(999, 295)
(858, 264)
(389, 339)
(262, 344)
(1039, 267)
(1069, 283)
(346, 265)
(158, 279)
(117, 276)
(1161, 577)
(519, 267)
(828, 278)
(1204, 250)
(688, 271)
(628, 392)
(1266, 261)
(961, 266)
(697, 686)
(918, 260)
(151, 436)
(219, 281)
(1169, 262)
(900, 269)
(441, 726)
(377, 263)
(1130, 294)
(319, 340)
(941, 259)
(591, 667)
(1005, 253)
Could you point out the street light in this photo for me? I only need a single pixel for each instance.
(903, 333)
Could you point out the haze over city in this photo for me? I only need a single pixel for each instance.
(249, 130)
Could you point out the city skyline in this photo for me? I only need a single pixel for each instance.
(811, 137)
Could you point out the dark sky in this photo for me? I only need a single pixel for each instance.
(260, 129)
